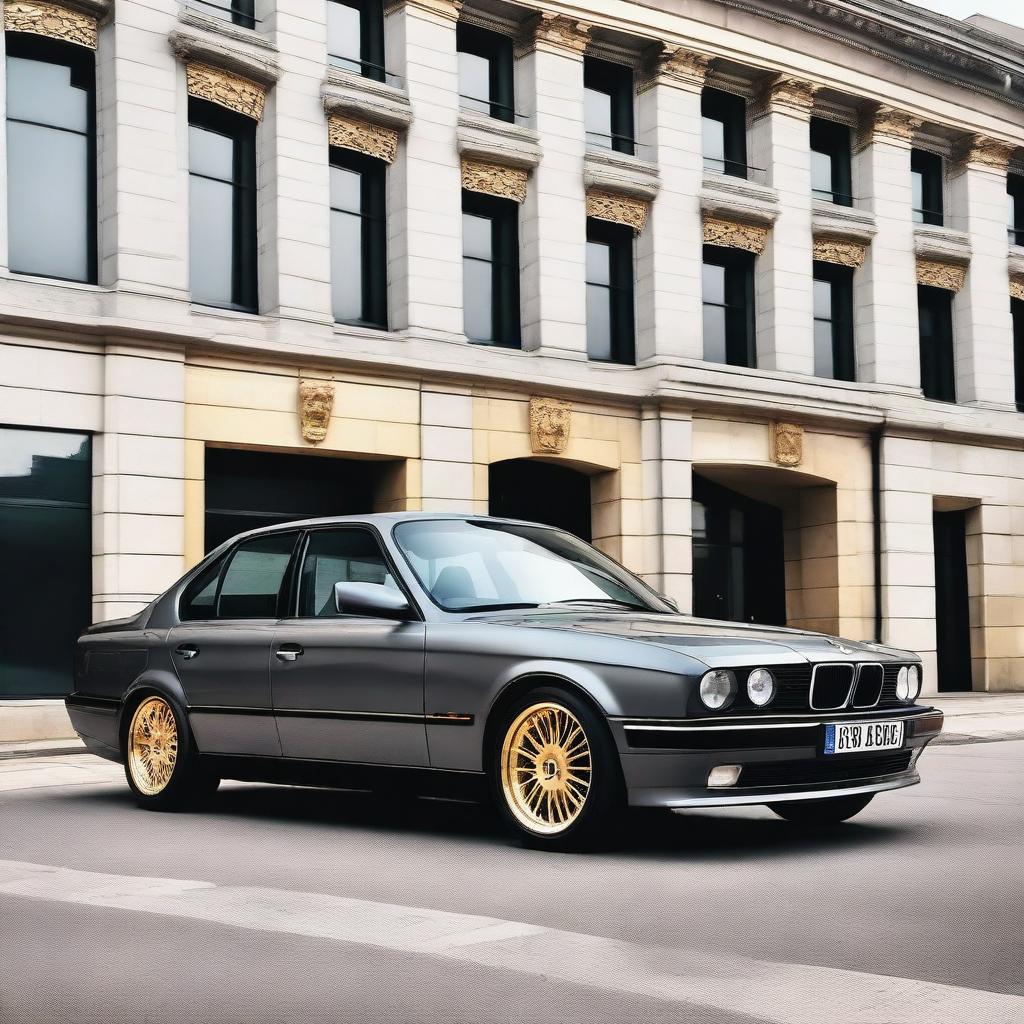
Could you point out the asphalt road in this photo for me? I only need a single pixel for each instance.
(275, 904)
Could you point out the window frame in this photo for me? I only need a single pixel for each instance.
(1015, 192)
(621, 297)
(239, 12)
(844, 352)
(497, 50)
(373, 244)
(371, 41)
(730, 110)
(618, 83)
(734, 261)
(932, 169)
(1017, 315)
(941, 370)
(82, 63)
(832, 139)
(245, 230)
(506, 313)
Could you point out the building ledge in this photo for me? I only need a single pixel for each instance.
(732, 198)
(1016, 258)
(353, 95)
(486, 138)
(831, 221)
(945, 245)
(241, 52)
(621, 173)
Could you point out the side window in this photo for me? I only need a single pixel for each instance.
(200, 597)
(338, 556)
(251, 588)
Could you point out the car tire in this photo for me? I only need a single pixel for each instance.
(161, 764)
(830, 811)
(547, 745)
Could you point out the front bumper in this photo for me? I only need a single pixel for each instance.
(666, 762)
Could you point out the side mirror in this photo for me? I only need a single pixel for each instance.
(372, 599)
(670, 601)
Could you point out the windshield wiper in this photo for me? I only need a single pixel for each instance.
(496, 607)
(600, 600)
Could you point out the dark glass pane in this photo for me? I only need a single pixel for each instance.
(599, 322)
(211, 153)
(338, 556)
(199, 600)
(725, 146)
(713, 283)
(713, 144)
(477, 236)
(823, 299)
(475, 81)
(211, 241)
(346, 265)
(821, 175)
(253, 579)
(714, 333)
(479, 299)
(597, 117)
(43, 465)
(1017, 309)
(43, 92)
(598, 263)
(823, 363)
(49, 202)
(344, 35)
(935, 322)
(346, 190)
(917, 189)
(238, 11)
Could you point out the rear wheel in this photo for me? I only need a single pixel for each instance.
(557, 776)
(822, 812)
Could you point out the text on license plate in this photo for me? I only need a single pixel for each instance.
(850, 737)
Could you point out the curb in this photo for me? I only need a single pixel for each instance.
(57, 750)
(962, 739)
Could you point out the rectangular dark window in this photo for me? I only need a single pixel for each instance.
(485, 72)
(608, 105)
(222, 206)
(355, 36)
(252, 585)
(51, 158)
(1015, 195)
(833, 322)
(359, 269)
(338, 556)
(724, 132)
(935, 321)
(830, 162)
(926, 176)
(1017, 309)
(728, 303)
(610, 331)
(238, 12)
(490, 269)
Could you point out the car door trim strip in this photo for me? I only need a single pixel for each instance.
(441, 718)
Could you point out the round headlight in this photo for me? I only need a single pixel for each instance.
(760, 687)
(717, 688)
(913, 682)
(903, 684)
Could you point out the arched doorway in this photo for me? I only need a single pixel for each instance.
(541, 492)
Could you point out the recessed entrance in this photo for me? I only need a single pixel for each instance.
(247, 489)
(541, 492)
(952, 615)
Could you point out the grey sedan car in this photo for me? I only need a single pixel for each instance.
(418, 651)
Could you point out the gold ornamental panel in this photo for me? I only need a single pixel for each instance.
(51, 20)
(787, 444)
(732, 234)
(226, 89)
(494, 179)
(840, 251)
(316, 401)
(892, 123)
(618, 209)
(372, 139)
(675, 64)
(950, 276)
(550, 426)
(558, 32)
(987, 152)
(1017, 288)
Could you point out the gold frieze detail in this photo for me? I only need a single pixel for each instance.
(674, 64)
(732, 234)
(51, 20)
(372, 139)
(987, 152)
(840, 251)
(494, 179)
(550, 426)
(559, 32)
(787, 444)
(316, 401)
(949, 276)
(226, 89)
(892, 123)
(795, 95)
(1017, 288)
(616, 208)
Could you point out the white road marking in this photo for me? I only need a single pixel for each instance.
(780, 992)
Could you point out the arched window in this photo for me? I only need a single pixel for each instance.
(51, 158)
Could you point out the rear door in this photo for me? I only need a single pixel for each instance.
(221, 650)
(347, 687)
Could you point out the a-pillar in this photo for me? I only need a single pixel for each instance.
(780, 142)
(549, 79)
(669, 249)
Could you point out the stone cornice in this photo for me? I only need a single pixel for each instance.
(447, 9)
(981, 151)
(555, 33)
(479, 137)
(942, 245)
(725, 197)
(195, 45)
(350, 95)
(622, 174)
(667, 64)
(787, 94)
(841, 222)
(889, 124)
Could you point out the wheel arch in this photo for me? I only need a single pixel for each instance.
(154, 683)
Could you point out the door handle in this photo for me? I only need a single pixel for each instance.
(288, 652)
(187, 651)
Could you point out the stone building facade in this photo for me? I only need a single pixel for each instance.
(857, 469)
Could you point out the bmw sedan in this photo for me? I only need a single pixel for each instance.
(419, 651)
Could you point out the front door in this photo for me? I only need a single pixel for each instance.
(345, 687)
(221, 649)
(952, 615)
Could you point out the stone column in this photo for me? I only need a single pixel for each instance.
(138, 480)
(780, 141)
(669, 249)
(983, 327)
(446, 449)
(553, 241)
(425, 241)
(885, 297)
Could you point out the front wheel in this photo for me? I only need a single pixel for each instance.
(830, 811)
(557, 776)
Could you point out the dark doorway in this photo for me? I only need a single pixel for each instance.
(738, 557)
(246, 490)
(541, 492)
(952, 617)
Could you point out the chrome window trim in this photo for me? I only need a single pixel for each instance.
(860, 668)
(852, 666)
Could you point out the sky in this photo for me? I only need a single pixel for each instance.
(1006, 10)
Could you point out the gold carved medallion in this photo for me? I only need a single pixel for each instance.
(787, 444)
(316, 400)
(550, 422)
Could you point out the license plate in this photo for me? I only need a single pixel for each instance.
(852, 738)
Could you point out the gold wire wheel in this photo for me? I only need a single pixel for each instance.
(152, 745)
(546, 768)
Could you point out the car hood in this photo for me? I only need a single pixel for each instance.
(716, 644)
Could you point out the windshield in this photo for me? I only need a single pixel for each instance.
(474, 565)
